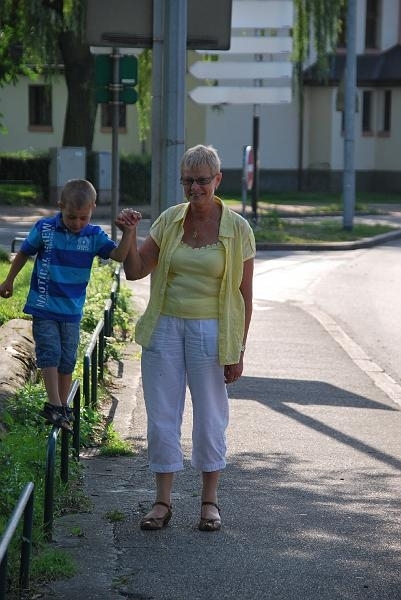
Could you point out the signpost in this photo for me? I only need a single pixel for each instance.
(169, 27)
(115, 79)
(260, 29)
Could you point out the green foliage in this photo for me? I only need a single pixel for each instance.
(323, 231)
(50, 564)
(11, 308)
(34, 167)
(115, 516)
(135, 179)
(25, 166)
(317, 21)
(144, 87)
(113, 445)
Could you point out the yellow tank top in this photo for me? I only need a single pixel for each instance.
(193, 282)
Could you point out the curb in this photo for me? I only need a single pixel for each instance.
(352, 245)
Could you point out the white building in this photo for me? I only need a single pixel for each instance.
(35, 120)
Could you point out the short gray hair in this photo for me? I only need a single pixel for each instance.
(199, 156)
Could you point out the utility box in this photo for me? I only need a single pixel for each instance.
(103, 177)
(66, 163)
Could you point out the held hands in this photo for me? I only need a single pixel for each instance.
(128, 219)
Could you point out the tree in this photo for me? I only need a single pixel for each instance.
(53, 34)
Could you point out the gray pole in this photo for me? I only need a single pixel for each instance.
(157, 86)
(115, 165)
(173, 111)
(349, 118)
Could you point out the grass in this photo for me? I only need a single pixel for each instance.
(18, 194)
(327, 231)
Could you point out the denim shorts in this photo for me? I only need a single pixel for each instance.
(56, 344)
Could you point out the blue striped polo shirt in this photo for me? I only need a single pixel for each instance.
(62, 267)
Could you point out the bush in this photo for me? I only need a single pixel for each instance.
(135, 187)
(29, 167)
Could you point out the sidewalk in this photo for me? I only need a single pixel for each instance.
(391, 215)
(310, 500)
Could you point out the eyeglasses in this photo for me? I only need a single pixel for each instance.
(189, 181)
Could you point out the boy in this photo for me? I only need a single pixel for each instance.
(65, 246)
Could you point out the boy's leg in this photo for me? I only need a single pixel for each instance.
(64, 385)
(51, 380)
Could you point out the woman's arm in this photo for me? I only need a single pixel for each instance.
(247, 294)
(140, 262)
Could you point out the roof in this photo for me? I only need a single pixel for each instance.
(376, 69)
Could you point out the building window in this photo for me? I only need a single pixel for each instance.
(106, 118)
(40, 107)
(372, 24)
(386, 114)
(367, 99)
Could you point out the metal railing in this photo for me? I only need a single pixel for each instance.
(74, 399)
(16, 240)
(24, 508)
(94, 357)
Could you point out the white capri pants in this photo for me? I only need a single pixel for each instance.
(185, 351)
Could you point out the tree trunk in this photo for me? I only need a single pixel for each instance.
(81, 107)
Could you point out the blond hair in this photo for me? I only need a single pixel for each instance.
(199, 156)
(77, 193)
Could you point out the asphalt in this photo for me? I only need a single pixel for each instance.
(310, 499)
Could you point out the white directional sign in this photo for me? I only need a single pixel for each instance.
(220, 94)
(277, 14)
(260, 29)
(224, 69)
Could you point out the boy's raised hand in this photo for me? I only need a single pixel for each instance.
(6, 290)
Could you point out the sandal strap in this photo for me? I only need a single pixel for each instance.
(169, 506)
(205, 503)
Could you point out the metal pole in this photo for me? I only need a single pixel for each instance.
(157, 86)
(349, 118)
(255, 143)
(175, 27)
(115, 165)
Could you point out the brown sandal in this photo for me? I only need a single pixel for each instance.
(154, 523)
(210, 524)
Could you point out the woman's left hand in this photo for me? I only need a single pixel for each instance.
(233, 372)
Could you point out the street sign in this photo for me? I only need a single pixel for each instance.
(129, 23)
(220, 94)
(128, 70)
(224, 69)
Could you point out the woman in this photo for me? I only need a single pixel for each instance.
(193, 330)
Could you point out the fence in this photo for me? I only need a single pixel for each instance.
(24, 508)
(94, 358)
(74, 398)
(93, 369)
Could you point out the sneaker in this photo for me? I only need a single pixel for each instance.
(55, 416)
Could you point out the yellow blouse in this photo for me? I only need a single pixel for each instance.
(237, 238)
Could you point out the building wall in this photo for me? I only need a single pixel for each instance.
(14, 106)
